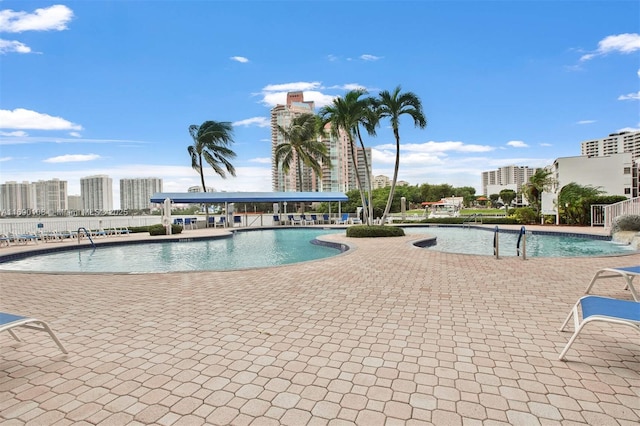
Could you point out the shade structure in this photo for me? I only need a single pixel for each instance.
(246, 197)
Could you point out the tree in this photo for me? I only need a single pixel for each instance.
(540, 182)
(346, 115)
(302, 146)
(393, 106)
(494, 199)
(507, 196)
(211, 141)
(573, 202)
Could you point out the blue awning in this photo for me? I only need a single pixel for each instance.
(246, 197)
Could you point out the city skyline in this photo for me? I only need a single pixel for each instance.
(93, 88)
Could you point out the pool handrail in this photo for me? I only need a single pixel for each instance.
(496, 251)
(521, 234)
(88, 234)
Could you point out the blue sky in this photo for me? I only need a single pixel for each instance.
(111, 87)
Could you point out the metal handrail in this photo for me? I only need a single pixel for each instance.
(496, 243)
(88, 236)
(522, 237)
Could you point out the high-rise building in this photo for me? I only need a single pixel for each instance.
(97, 193)
(74, 202)
(381, 181)
(14, 198)
(135, 193)
(338, 176)
(508, 177)
(615, 143)
(49, 196)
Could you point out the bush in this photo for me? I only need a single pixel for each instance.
(525, 215)
(161, 230)
(365, 231)
(629, 222)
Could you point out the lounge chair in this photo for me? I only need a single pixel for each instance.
(306, 221)
(221, 222)
(294, 220)
(326, 219)
(10, 321)
(344, 220)
(276, 220)
(605, 309)
(4, 240)
(314, 219)
(628, 273)
(237, 220)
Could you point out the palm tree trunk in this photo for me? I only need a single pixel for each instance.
(355, 167)
(369, 210)
(204, 188)
(395, 177)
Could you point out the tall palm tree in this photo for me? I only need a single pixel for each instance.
(211, 141)
(346, 115)
(392, 106)
(302, 146)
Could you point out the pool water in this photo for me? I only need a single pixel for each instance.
(252, 249)
(480, 242)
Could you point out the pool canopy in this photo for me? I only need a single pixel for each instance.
(246, 197)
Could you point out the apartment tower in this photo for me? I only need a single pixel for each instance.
(97, 193)
(135, 193)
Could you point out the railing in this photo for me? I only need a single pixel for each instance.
(88, 234)
(477, 218)
(522, 238)
(611, 211)
(496, 243)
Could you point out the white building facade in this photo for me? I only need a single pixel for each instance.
(508, 177)
(49, 196)
(97, 194)
(135, 193)
(613, 174)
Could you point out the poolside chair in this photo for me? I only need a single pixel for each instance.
(628, 273)
(326, 219)
(314, 219)
(294, 220)
(237, 220)
(10, 321)
(604, 309)
(276, 220)
(306, 221)
(344, 220)
(220, 222)
(4, 240)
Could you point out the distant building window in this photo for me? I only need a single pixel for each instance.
(627, 190)
(627, 170)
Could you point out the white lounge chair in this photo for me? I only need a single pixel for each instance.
(628, 273)
(10, 321)
(604, 309)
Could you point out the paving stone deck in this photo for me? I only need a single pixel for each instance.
(386, 334)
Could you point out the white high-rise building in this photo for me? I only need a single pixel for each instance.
(14, 198)
(615, 143)
(508, 177)
(135, 193)
(97, 194)
(49, 196)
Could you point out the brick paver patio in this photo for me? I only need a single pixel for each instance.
(386, 334)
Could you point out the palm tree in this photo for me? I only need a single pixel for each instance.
(346, 115)
(211, 142)
(540, 182)
(392, 106)
(302, 146)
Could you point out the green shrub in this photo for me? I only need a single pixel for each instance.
(159, 229)
(525, 215)
(628, 222)
(461, 220)
(364, 231)
(136, 229)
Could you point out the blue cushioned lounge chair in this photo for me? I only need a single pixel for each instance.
(604, 309)
(10, 321)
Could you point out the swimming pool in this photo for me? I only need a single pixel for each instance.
(479, 241)
(252, 249)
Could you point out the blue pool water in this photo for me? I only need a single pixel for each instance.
(261, 248)
(480, 242)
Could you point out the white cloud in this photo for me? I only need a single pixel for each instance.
(253, 121)
(586, 121)
(436, 147)
(7, 46)
(72, 158)
(3, 159)
(16, 134)
(262, 160)
(517, 144)
(630, 129)
(622, 43)
(332, 58)
(366, 57)
(55, 17)
(631, 96)
(21, 118)
(240, 59)
(25, 140)
(292, 87)
(75, 134)
(545, 144)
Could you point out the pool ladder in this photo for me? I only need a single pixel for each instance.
(88, 236)
(522, 241)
